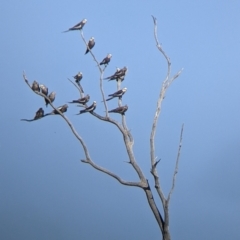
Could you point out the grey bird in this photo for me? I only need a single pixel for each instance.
(118, 75)
(120, 110)
(91, 44)
(106, 60)
(89, 109)
(44, 89)
(82, 100)
(51, 97)
(78, 77)
(35, 86)
(78, 26)
(39, 114)
(62, 109)
(118, 94)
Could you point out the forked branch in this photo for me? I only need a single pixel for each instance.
(85, 149)
(166, 83)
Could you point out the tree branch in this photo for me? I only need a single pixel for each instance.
(101, 73)
(176, 166)
(79, 88)
(134, 184)
(166, 83)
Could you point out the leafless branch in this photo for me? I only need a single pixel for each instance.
(166, 83)
(134, 184)
(176, 166)
(86, 152)
(101, 74)
(79, 88)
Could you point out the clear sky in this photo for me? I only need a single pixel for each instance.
(46, 192)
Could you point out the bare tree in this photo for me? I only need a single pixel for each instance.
(161, 218)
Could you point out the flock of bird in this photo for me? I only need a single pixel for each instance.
(119, 75)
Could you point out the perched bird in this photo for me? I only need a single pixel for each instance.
(119, 94)
(83, 100)
(62, 109)
(78, 77)
(118, 75)
(89, 109)
(106, 60)
(39, 114)
(35, 86)
(120, 110)
(44, 89)
(91, 44)
(78, 26)
(51, 97)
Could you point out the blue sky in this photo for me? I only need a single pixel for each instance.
(46, 193)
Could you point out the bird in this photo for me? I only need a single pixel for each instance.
(39, 114)
(118, 75)
(82, 100)
(35, 86)
(89, 109)
(120, 110)
(78, 26)
(119, 94)
(78, 77)
(51, 97)
(44, 89)
(90, 45)
(62, 109)
(106, 60)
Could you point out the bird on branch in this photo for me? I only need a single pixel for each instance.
(51, 97)
(78, 26)
(90, 45)
(39, 114)
(89, 109)
(44, 89)
(35, 86)
(118, 75)
(106, 60)
(118, 94)
(82, 100)
(120, 110)
(62, 109)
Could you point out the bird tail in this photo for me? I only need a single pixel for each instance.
(109, 98)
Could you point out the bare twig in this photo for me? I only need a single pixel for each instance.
(79, 88)
(134, 184)
(176, 166)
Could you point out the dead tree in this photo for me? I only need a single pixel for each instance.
(162, 218)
